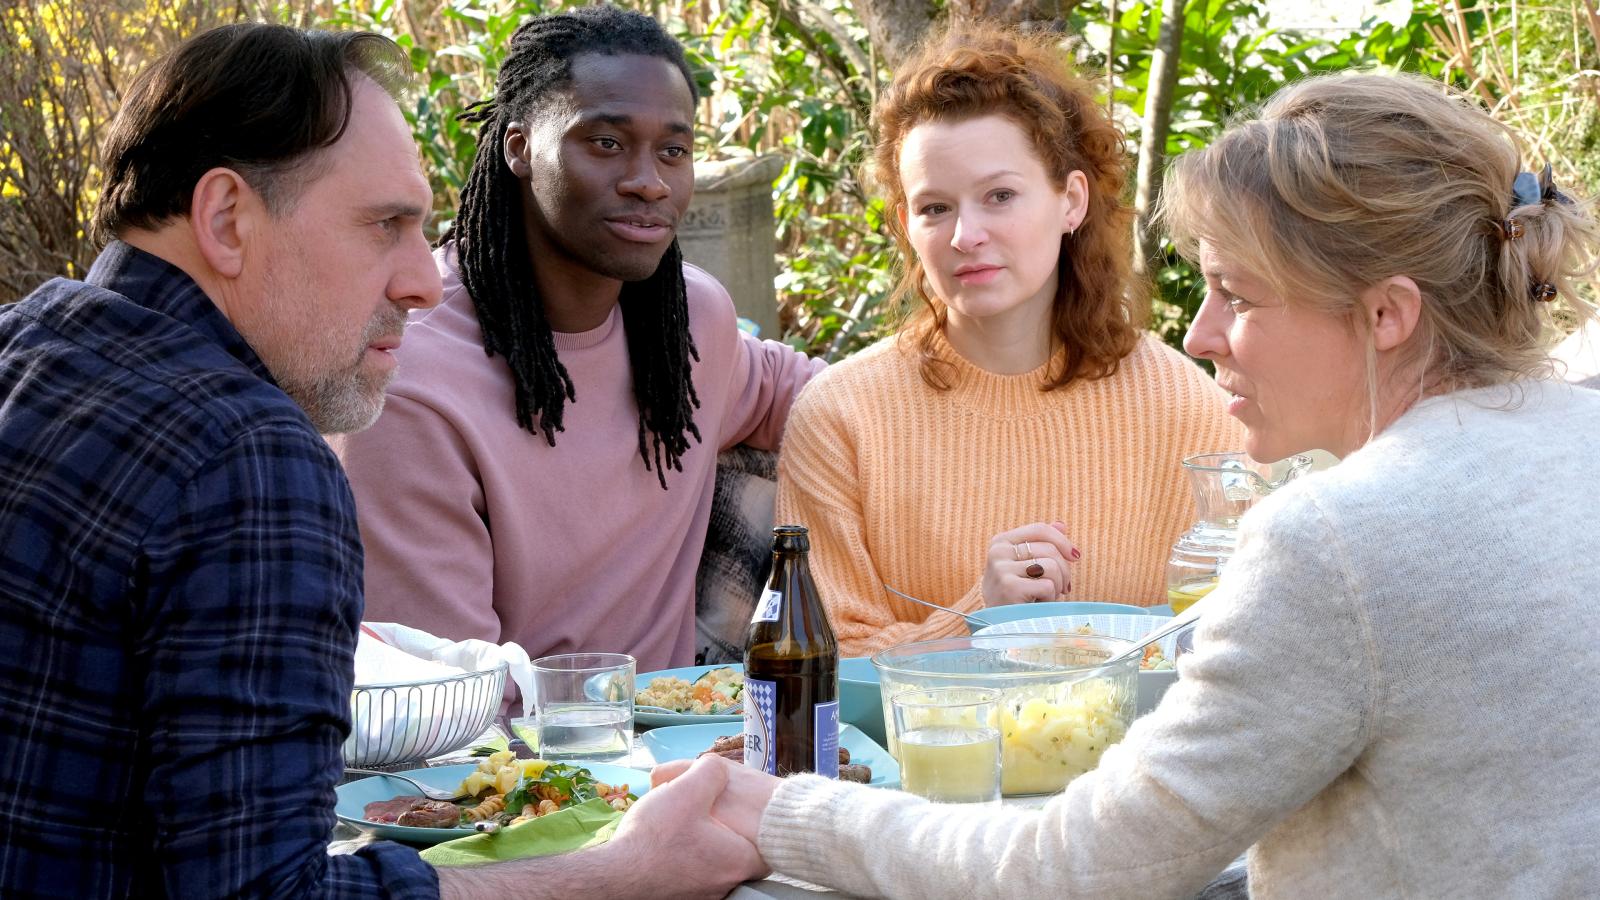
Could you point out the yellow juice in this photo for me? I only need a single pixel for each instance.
(951, 763)
(1181, 598)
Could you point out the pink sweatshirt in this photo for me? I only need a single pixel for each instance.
(475, 528)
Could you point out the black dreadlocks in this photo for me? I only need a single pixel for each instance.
(498, 272)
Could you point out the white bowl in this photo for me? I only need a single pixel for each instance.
(1130, 627)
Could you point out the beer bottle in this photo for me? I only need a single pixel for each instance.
(791, 669)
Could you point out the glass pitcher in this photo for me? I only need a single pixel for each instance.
(1225, 486)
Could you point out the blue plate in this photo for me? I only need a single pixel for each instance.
(861, 698)
(689, 674)
(689, 741)
(353, 798)
(994, 615)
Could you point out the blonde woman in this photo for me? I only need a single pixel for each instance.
(1390, 692)
(1021, 439)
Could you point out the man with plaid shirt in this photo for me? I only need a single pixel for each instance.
(181, 586)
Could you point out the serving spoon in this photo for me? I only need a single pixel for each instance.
(980, 622)
(1179, 622)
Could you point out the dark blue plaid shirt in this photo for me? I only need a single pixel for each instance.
(179, 597)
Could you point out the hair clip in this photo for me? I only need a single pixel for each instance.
(1528, 189)
(1525, 189)
(1542, 291)
(1510, 229)
(1547, 188)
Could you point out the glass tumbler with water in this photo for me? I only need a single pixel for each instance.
(949, 743)
(584, 704)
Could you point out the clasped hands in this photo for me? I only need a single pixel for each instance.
(696, 829)
(1029, 564)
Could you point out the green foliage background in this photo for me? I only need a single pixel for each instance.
(779, 82)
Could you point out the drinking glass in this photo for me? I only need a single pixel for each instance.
(949, 743)
(584, 706)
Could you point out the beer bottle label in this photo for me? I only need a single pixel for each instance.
(767, 607)
(760, 704)
(827, 744)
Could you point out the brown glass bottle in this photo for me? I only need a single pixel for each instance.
(791, 669)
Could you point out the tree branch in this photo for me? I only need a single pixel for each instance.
(1157, 122)
(836, 30)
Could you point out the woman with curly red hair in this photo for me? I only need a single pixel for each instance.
(1020, 439)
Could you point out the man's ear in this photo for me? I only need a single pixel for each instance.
(222, 215)
(1394, 306)
(515, 150)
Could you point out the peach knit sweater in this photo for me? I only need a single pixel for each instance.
(906, 485)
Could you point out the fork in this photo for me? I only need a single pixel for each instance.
(431, 793)
(976, 620)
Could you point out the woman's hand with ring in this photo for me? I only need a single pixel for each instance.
(1029, 564)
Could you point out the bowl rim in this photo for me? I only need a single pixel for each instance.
(1000, 628)
(1117, 645)
(502, 666)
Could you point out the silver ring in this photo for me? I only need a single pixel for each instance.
(1017, 549)
(1027, 547)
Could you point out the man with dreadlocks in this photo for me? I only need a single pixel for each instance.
(544, 468)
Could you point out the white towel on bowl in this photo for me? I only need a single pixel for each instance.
(415, 655)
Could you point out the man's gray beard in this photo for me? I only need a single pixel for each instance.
(348, 400)
(341, 403)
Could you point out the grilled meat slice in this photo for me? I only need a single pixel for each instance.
(432, 814)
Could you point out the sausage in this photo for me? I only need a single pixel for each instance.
(733, 748)
(858, 774)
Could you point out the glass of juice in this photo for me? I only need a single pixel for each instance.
(949, 743)
(584, 706)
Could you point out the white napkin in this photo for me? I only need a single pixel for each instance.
(378, 662)
(415, 655)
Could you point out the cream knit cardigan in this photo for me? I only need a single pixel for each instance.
(1393, 694)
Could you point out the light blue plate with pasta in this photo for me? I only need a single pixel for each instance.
(354, 797)
(655, 719)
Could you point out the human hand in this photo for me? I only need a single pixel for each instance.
(1029, 564)
(744, 797)
(674, 836)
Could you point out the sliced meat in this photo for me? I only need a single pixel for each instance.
(731, 742)
(858, 774)
(844, 757)
(432, 814)
(387, 811)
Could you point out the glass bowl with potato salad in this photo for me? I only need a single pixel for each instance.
(1060, 704)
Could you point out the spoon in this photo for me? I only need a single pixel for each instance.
(982, 623)
(1179, 622)
(431, 793)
